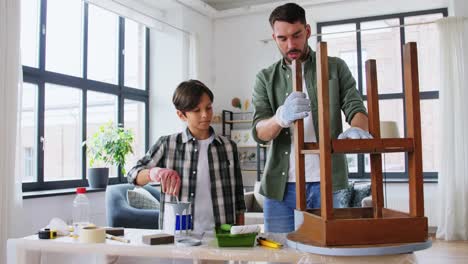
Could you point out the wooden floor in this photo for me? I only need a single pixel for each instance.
(441, 252)
(444, 252)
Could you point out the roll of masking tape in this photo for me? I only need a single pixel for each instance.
(92, 234)
(47, 234)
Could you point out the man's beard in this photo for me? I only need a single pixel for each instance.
(304, 52)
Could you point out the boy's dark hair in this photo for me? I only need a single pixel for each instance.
(188, 95)
(289, 12)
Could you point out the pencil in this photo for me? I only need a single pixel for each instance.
(116, 238)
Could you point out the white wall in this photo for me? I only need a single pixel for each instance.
(239, 55)
(39, 211)
(458, 8)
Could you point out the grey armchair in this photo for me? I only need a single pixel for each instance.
(254, 206)
(121, 214)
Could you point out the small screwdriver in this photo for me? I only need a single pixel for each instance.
(268, 243)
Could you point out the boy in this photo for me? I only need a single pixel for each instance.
(196, 165)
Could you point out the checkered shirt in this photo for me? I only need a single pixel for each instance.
(179, 152)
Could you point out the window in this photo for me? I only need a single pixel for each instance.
(134, 118)
(30, 32)
(343, 45)
(63, 43)
(28, 155)
(382, 38)
(102, 45)
(77, 76)
(102, 108)
(381, 41)
(62, 132)
(135, 55)
(29, 131)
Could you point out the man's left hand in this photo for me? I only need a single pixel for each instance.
(355, 133)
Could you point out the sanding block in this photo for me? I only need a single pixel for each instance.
(158, 239)
(115, 231)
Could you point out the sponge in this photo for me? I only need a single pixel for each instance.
(158, 239)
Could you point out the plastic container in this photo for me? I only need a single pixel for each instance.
(177, 218)
(81, 210)
(225, 239)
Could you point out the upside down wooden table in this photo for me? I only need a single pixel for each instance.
(360, 231)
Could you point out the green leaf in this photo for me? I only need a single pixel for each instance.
(110, 145)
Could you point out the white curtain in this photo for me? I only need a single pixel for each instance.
(193, 56)
(453, 176)
(10, 87)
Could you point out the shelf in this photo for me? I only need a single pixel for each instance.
(253, 146)
(241, 113)
(238, 121)
(236, 125)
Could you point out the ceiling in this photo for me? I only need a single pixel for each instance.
(224, 8)
(221, 5)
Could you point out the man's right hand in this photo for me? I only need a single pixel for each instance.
(169, 179)
(295, 107)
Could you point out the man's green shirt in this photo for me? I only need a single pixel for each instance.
(272, 87)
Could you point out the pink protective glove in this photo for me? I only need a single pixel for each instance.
(169, 179)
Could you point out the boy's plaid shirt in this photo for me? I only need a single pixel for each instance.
(179, 152)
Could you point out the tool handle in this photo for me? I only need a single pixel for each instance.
(269, 243)
(121, 239)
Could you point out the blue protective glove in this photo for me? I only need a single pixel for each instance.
(355, 133)
(295, 107)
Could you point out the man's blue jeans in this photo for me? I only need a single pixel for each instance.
(279, 215)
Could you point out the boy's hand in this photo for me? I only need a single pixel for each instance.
(169, 179)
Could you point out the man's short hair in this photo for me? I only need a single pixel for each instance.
(289, 12)
(188, 95)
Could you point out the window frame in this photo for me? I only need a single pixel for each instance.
(39, 76)
(424, 95)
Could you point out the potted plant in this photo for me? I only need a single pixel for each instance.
(108, 146)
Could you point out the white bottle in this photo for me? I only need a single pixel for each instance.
(80, 210)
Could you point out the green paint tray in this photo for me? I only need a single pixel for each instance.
(225, 239)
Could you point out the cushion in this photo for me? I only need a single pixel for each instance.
(142, 199)
(255, 218)
(258, 197)
(366, 202)
(344, 196)
(361, 191)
